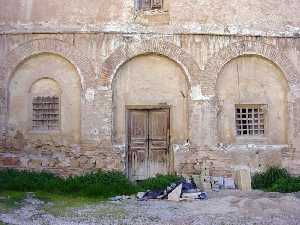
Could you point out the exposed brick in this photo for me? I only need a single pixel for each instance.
(99, 152)
(10, 161)
(154, 46)
(216, 63)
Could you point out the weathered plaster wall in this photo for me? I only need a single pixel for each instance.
(270, 17)
(25, 83)
(201, 57)
(151, 80)
(252, 80)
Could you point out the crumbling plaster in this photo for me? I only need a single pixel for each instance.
(251, 79)
(257, 18)
(151, 80)
(32, 78)
(100, 37)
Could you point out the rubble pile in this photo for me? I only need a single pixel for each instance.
(182, 190)
(195, 188)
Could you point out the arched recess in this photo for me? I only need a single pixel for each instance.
(128, 51)
(158, 47)
(221, 58)
(151, 80)
(215, 64)
(150, 113)
(81, 62)
(15, 57)
(55, 82)
(252, 95)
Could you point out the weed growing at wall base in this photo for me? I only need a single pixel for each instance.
(276, 179)
(97, 184)
(158, 182)
(100, 184)
(286, 185)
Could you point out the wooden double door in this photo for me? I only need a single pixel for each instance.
(148, 142)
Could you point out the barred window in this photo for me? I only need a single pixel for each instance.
(150, 4)
(250, 120)
(46, 113)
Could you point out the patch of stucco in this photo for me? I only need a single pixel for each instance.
(196, 94)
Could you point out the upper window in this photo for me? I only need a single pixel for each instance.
(150, 4)
(250, 120)
(45, 113)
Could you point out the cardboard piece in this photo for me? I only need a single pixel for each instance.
(175, 194)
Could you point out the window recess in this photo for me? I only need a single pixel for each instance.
(250, 120)
(150, 4)
(45, 113)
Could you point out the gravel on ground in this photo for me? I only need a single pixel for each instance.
(227, 207)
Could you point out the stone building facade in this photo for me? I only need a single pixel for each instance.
(150, 87)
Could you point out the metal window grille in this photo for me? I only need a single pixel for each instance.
(250, 120)
(150, 4)
(156, 4)
(45, 113)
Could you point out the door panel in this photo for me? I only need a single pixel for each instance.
(148, 143)
(138, 144)
(158, 142)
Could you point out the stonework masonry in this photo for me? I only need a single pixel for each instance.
(216, 54)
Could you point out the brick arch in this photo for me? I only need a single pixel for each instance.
(225, 55)
(53, 46)
(15, 57)
(128, 51)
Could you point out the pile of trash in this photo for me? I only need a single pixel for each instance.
(218, 183)
(182, 190)
(195, 188)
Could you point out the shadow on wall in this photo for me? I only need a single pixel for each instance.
(252, 94)
(44, 101)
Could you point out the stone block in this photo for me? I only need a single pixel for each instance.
(53, 163)
(100, 163)
(197, 180)
(35, 163)
(205, 171)
(83, 160)
(206, 186)
(75, 163)
(229, 183)
(218, 181)
(10, 161)
(243, 180)
(202, 182)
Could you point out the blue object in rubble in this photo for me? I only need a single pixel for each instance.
(203, 196)
(187, 186)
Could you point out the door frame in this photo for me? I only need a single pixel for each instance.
(147, 107)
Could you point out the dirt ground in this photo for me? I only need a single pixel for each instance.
(222, 208)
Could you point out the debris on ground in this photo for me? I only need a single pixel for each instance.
(140, 195)
(232, 207)
(229, 183)
(153, 195)
(175, 194)
(186, 189)
(243, 179)
(120, 198)
(182, 190)
(195, 196)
